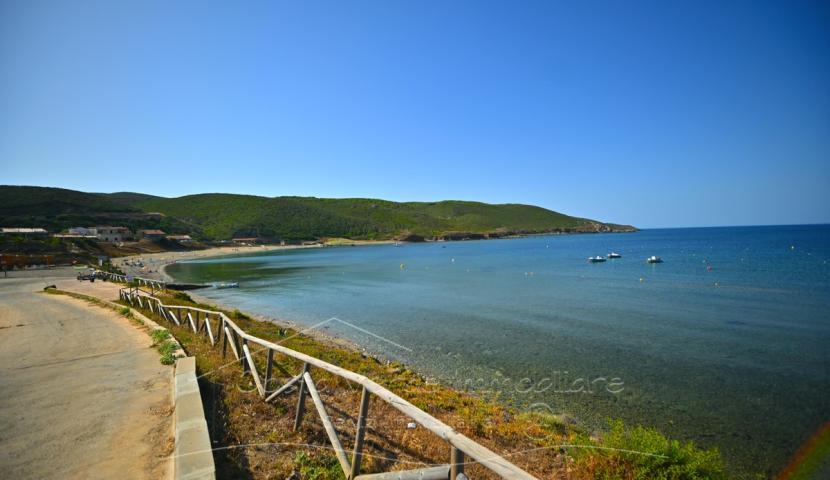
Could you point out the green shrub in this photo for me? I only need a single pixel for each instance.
(183, 297)
(159, 336)
(166, 348)
(643, 452)
(168, 359)
(318, 467)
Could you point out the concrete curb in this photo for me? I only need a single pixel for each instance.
(192, 454)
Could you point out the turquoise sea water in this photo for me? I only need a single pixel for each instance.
(726, 343)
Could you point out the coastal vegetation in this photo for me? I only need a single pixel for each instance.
(545, 445)
(165, 346)
(217, 216)
(226, 215)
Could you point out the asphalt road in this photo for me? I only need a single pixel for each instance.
(82, 393)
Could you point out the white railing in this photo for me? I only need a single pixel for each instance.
(230, 334)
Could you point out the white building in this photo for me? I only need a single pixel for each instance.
(112, 234)
(180, 238)
(84, 231)
(26, 232)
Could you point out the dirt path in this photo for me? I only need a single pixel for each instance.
(82, 393)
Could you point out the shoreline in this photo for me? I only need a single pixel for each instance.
(162, 260)
(155, 264)
(158, 262)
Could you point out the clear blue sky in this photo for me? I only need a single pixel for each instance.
(651, 113)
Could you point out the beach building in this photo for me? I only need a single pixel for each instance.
(151, 234)
(25, 232)
(112, 234)
(73, 235)
(180, 238)
(83, 231)
(245, 240)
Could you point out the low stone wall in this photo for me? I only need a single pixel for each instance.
(192, 456)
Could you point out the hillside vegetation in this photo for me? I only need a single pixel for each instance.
(56, 209)
(217, 216)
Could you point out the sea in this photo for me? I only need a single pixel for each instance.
(725, 343)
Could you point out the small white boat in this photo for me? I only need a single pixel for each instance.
(226, 285)
(596, 259)
(614, 255)
(654, 259)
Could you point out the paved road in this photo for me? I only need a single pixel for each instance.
(82, 393)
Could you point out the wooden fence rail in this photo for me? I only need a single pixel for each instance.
(199, 320)
(148, 282)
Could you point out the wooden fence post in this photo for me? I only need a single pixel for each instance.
(239, 349)
(357, 454)
(224, 340)
(269, 369)
(456, 463)
(298, 419)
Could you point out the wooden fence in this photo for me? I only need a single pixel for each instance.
(115, 277)
(220, 329)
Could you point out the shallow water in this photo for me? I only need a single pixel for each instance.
(725, 343)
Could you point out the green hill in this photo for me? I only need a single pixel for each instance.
(56, 209)
(44, 201)
(216, 216)
(126, 198)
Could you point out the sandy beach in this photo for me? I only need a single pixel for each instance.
(153, 264)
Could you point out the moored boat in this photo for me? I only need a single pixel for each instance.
(654, 259)
(614, 255)
(596, 259)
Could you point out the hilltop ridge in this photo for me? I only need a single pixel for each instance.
(217, 216)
